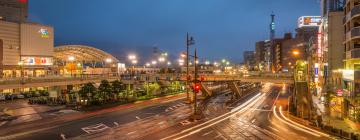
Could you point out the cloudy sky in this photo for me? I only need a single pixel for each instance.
(221, 28)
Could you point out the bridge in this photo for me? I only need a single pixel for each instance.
(50, 81)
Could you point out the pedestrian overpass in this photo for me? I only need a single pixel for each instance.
(63, 81)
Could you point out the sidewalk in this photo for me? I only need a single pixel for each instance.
(51, 122)
(334, 123)
(20, 111)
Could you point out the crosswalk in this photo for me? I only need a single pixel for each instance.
(174, 107)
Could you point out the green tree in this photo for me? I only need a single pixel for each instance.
(117, 87)
(105, 90)
(87, 91)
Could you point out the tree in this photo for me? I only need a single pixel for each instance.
(105, 90)
(87, 91)
(117, 87)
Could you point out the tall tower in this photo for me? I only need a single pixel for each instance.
(272, 27)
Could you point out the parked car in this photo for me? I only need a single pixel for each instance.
(2, 97)
(19, 96)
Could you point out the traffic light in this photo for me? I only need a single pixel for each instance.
(196, 87)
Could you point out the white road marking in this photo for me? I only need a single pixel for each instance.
(95, 128)
(131, 133)
(137, 117)
(2, 123)
(207, 133)
(274, 129)
(253, 121)
(62, 136)
(116, 124)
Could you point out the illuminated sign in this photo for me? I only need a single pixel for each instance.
(37, 60)
(339, 92)
(309, 21)
(44, 33)
(348, 74)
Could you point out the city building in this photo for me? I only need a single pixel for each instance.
(26, 50)
(332, 44)
(259, 55)
(14, 10)
(80, 59)
(351, 71)
(249, 59)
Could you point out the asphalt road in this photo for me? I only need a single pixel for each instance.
(74, 128)
(254, 118)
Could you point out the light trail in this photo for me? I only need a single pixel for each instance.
(209, 123)
(242, 110)
(302, 126)
(294, 126)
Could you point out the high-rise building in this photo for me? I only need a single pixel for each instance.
(259, 54)
(249, 59)
(14, 10)
(351, 72)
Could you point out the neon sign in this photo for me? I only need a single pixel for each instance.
(44, 33)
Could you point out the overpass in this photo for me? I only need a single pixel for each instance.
(275, 78)
(50, 81)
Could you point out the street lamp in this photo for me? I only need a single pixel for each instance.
(161, 59)
(296, 52)
(132, 57)
(189, 41)
(133, 61)
(207, 62)
(153, 62)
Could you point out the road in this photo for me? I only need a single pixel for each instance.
(107, 120)
(258, 117)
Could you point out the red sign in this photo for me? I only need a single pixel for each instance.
(23, 1)
(339, 92)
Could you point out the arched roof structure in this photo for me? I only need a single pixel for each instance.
(82, 53)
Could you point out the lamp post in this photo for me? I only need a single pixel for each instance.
(133, 61)
(189, 41)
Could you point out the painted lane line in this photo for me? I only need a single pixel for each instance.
(131, 133)
(207, 133)
(3, 123)
(62, 136)
(302, 126)
(296, 127)
(277, 130)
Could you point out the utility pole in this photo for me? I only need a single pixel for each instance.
(189, 41)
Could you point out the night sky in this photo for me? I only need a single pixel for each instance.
(221, 28)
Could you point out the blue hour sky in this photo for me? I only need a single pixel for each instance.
(221, 28)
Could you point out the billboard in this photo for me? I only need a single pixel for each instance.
(37, 40)
(38, 61)
(309, 21)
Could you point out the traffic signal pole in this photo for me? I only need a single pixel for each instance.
(195, 84)
(187, 68)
